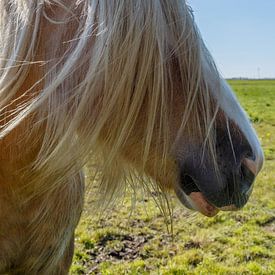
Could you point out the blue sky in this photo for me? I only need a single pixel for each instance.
(240, 34)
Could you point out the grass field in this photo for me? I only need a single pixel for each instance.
(137, 242)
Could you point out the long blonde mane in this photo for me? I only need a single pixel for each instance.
(100, 64)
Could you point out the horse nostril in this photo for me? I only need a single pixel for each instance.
(247, 177)
(238, 189)
(251, 165)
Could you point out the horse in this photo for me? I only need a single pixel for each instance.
(127, 84)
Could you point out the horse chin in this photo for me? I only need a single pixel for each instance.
(197, 201)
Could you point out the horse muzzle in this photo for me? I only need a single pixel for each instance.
(206, 191)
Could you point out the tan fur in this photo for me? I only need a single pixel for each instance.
(118, 82)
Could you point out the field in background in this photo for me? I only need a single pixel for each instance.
(137, 242)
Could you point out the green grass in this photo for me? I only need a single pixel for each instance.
(126, 242)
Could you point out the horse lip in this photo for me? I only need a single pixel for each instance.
(183, 198)
(202, 205)
(196, 201)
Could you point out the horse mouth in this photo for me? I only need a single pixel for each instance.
(202, 205)
(197, 201)
(192, 197)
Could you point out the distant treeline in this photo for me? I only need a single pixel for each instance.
(248, 78)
